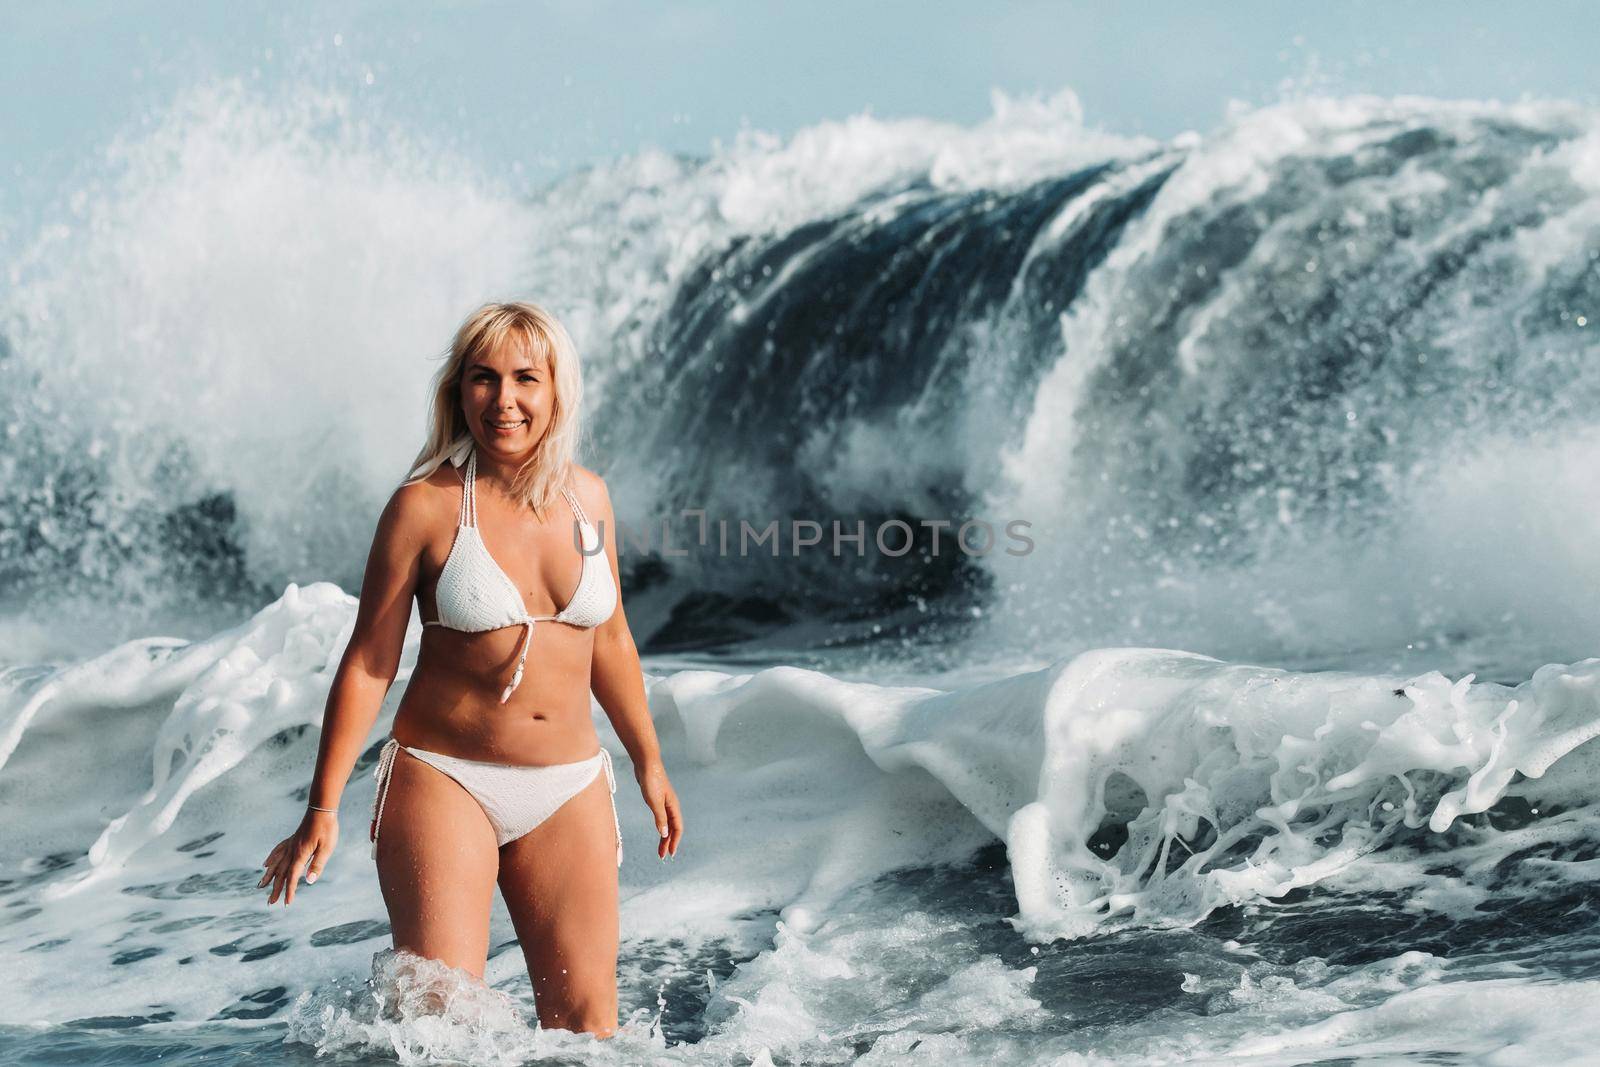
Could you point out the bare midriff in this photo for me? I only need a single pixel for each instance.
(452, 701)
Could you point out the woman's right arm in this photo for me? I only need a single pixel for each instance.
(369, 665)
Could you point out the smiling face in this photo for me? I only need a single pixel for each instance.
(508, 396)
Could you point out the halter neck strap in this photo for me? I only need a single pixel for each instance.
(572, 501)
(469, 496)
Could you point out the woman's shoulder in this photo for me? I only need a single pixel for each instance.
(443, 482)
(590, 489)
(422, 504)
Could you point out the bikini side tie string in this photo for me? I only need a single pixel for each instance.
(385, 769)
(611, 781)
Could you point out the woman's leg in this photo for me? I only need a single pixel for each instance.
(559, 882)
(437, 859)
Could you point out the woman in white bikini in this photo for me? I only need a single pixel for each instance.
(485, 779)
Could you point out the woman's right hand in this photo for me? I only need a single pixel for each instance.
(312, 843)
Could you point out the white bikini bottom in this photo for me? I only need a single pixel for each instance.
(516, 799)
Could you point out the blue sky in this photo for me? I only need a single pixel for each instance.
(548, 86)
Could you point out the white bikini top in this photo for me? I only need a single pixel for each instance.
(474, 595)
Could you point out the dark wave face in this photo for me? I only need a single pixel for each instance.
(1332, 364)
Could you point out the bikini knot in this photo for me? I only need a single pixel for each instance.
(522, 658)
(516, 680)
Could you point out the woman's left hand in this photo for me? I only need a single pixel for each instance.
(305, 851)
(663, 802)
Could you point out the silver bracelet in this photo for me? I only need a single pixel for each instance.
(313, 807)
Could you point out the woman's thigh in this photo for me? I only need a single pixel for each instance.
(559, 882)
(437, 860)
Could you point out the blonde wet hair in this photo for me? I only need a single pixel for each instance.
(540, 333)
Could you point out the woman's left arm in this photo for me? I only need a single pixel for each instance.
(618, 684)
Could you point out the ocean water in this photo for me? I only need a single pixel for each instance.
(1276, 748)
